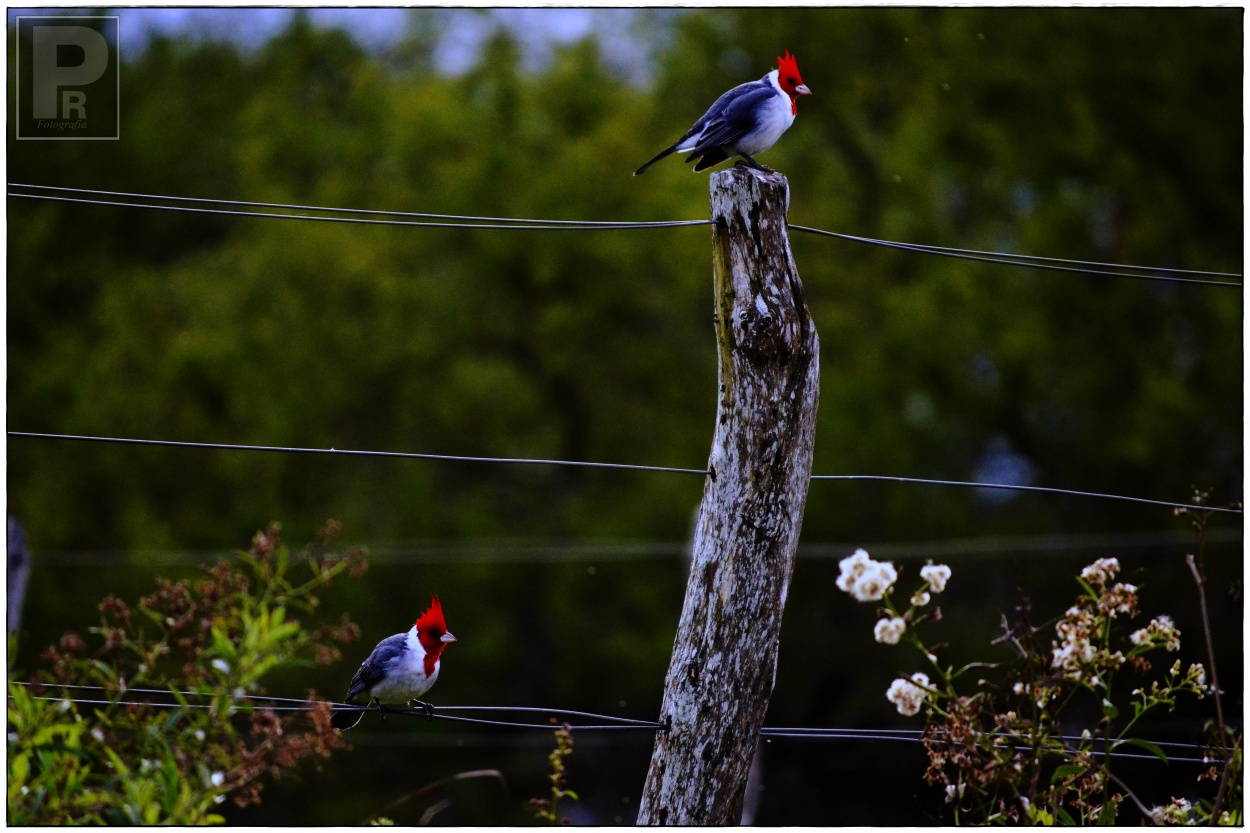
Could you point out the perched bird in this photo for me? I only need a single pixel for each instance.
(400, 669)
(745, 121)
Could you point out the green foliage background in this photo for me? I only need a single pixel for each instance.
(1107, 135)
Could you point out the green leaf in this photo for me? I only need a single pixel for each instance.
(1153, 749)
(1065, 771)
(1106, 816)
(1039, 816)
(19, 768)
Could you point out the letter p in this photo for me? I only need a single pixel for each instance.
(47, 76)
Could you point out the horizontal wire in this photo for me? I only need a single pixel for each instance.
(1018, 488)
(408, 455)
(369, 211)
(485, 222)
(1025, 261)
(588, 464)
(765, 732)
(508, 551)
(307, 705)
(501, 225)
(1011, 256)
(649, 724)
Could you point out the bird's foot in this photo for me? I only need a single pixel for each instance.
(751, 163)
(426, 709)
(382, 710)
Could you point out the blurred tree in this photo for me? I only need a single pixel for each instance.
(1108, 135)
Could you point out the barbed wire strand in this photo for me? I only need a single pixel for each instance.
(370, 222)
(483, 222)
(590, 464)
(766, 732)
(1016, 260)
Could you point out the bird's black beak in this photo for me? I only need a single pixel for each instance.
(447, 637)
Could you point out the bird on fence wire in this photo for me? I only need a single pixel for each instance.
(745, 121)
(401, 669)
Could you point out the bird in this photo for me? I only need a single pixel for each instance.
(745, 121)
(401, 668)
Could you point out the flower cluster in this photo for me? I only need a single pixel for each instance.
(1077, 630)
(865, 579)
(1077, 655)
(1160, 631)
(908, 695)
(1101, 572)
(1177, 812)
(890, 629)
(986, 748)
(937, 575)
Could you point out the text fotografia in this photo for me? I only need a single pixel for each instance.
(68, 77)
(49, 124)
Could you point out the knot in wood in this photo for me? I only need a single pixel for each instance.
(762, 335)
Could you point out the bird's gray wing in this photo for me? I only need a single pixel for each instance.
(375, 667)
(735, 118)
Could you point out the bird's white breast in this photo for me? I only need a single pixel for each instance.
(776, 116)
(406, 678)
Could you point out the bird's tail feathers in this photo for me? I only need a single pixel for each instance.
(712, 157)
(344, 719)
(657, 158)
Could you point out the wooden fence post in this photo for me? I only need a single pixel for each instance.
(724, 659)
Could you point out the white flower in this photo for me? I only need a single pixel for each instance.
(1018, 688)
(865, 579)
(1199, 675)
(873, 585)
(217, 779)
(851, 568)
(1161, 629)
(906, 696)
(1175, 813)
(1101, 571)
(954, 792)
(889, 630)
(199, 734)
(98, 734)
(221, 665)
(920, 598)
(937, 576)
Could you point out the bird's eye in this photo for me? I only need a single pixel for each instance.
(793, 80)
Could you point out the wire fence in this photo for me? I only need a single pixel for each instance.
(601, 553)
(381, 217)
(1235, 509)
(557, 717)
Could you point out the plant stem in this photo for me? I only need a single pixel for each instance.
(1199, 574)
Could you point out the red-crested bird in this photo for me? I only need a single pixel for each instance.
(745, 121)
(400, 669)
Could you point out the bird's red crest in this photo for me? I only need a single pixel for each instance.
(788, 67)
(432, 619)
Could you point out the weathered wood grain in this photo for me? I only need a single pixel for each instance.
(725, 655)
